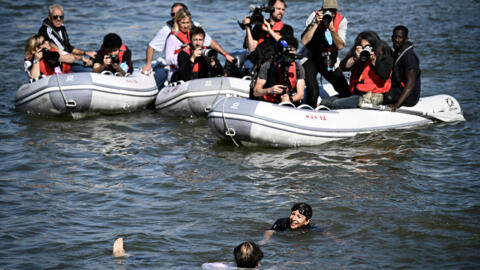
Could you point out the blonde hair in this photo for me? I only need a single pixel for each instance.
(31, 45)
(180, 15)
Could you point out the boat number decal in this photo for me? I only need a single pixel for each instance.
(316, 117)
(450, 102)
(173, 89)
(131, 81)
(235, 105)
(70, 78)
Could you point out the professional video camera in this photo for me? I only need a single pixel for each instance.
(366, 53)
(256, 16)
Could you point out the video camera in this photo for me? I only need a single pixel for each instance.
(284, 51)
(256, 16)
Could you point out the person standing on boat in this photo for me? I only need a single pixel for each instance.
(54, 31)
(197, 61)
(370, 61)
(324, 35)
(113, 56)
(405, 89)
(281, 79)
(179, 38)
(261, 41)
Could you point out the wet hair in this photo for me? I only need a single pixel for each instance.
(112, 41)
(304, 209)
(196, 30)
(55, 6)
(179, 4)
(247, 254)
(181, 14)
(402, 28)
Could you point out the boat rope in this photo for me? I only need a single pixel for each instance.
(69, 104)
(209, 107)
(230, 132)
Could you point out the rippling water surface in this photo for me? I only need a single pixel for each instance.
(404, 199)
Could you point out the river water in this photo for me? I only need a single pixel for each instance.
(394, 200)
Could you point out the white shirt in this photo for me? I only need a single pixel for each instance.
(159, 41)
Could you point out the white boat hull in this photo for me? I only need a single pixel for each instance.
(249, 121)
(91, 93)
(196, 97)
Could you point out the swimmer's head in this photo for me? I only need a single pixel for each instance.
(247, 254)
(300, 216)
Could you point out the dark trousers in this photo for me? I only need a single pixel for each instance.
(392, 96)
(336, 78)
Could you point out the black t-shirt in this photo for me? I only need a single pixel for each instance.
(408, 61)
(127, 58)
(185, 67)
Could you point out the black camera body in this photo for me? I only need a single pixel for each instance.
(366, 53)
(51, 57)
(115, 60)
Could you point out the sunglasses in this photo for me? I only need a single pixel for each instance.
(56, 17)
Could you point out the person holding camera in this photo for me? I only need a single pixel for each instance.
(41, 58)
(54, 31)
(405, 89)
(324, 35)
(113, 56)
(370, 61)
(281, 79)
(262, 39)
(197, 61)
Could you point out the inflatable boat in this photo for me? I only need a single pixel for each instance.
(245, 121)
(196, 97)
(78, 95)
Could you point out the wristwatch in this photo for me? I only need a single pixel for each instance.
(35, 61)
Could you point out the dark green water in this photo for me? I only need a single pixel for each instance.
(396, 200)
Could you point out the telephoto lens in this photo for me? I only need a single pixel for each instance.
(366, 53)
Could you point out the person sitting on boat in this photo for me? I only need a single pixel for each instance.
(281, 79)
(405, 89)
(324, 36)
(179, 38)
(113, 56)
(197, 61)
(41, 58)
(54, 31)
(261, 41)
(370, 61)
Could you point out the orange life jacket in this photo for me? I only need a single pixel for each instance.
(276, 27)
(185, 39)
(292, 77)
(122, 51)
(47, 70)
(369, 81)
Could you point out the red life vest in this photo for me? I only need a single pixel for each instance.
(122, 51)
(196, 66)
(369, 81)
(185, 39)
(47, 70)
(292, 77)
(276, 27)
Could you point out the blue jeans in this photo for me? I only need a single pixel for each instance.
(160, 75)
(80, 68)
(336, 103)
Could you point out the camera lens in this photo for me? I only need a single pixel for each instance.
(365, 53)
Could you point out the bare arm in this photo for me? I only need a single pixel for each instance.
(214, 45)
(259, 91)
(149, 53)
(411, 80)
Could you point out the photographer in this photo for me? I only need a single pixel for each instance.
(197, 61)
(323, 37)
(370, 61)
(41, 58)
(113, 56)
(281, 79)
(262, 39)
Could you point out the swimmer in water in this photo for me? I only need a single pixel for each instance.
(247, 255)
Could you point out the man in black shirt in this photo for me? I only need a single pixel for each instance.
(196, 61)
(113, 56)
(54, 31)
(262, 39)
(405, 89)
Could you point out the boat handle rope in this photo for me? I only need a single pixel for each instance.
(230, 132)
(69, 104)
